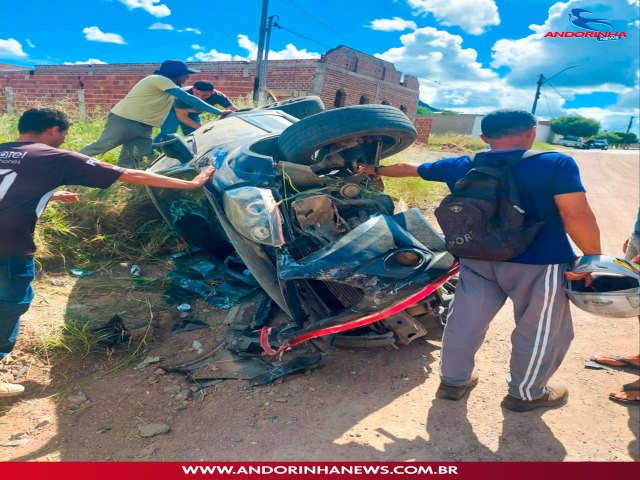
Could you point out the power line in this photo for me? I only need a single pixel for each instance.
(554, 88)
(546, 99)
(316, 19)
(277, 25)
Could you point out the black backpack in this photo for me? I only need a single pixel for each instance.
(483, 218)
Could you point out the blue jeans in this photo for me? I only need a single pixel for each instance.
(16, 294)
(171, 124)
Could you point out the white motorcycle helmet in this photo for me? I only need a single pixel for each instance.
(615, 291)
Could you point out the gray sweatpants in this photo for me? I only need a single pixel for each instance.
(543, 330)
(135, 138)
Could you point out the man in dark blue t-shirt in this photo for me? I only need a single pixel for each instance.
(551, 191)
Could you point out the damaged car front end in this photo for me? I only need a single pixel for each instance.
(326, 244)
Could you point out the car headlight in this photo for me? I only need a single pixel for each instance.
(255, 215)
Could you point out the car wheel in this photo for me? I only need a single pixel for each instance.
(348, 128)
(300, 107)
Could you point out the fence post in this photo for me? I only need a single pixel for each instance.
(8, 95)
(82, 107)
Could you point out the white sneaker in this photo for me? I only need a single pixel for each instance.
(10, 389)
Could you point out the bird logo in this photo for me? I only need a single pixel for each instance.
(579, 21)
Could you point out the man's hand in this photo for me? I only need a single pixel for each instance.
(65, 196)
(588, 280)
(365, 169)
(202, 178)
(226, 111)
(625, 245)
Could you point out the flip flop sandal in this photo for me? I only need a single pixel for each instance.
(616, 358)
(626, 388)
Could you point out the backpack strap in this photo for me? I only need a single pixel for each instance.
(481, 158)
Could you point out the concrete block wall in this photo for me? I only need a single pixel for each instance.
(423, 125)
(88, 87)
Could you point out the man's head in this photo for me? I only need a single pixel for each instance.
(203, 89)
(44, 125)
(506, 123)
(176, 70)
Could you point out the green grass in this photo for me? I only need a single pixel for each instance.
(74, 336)
(443, 142)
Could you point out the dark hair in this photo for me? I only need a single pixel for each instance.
(37, 120)
(204, 86)
(504, 123)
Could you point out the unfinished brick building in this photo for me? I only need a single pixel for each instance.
(341, 77)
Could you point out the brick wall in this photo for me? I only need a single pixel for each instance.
(342, 68)
(423, 125)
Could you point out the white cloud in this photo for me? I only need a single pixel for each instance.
(437, 54)
(289, 52)
(11, 48)
(214, 56)
(395, 24)
(451, 77)
(29, 43)
(195, 46)
(473, 16)
(90, 61)
(197, 31)
(94, 34)
(160, 26)
(598, 63)
(154, 7)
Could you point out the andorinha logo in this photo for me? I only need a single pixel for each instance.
(595, 28)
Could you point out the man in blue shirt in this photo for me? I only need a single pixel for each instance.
(551, 191)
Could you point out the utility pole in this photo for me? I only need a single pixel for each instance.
(542, 80)
(259, 59)
(265, 63)
(630, 123)
(535, 100)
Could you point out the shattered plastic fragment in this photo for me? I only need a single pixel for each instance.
(188, 324)
(113, 333)
(79, 272)
(146, 362)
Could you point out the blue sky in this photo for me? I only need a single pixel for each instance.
(470, 55)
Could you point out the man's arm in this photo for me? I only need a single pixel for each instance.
(194, 101)
(140, 177)
(64, 196)
(579, 222)
(396, 170)
(183, 116)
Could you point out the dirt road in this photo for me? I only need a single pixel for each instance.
(363, 405)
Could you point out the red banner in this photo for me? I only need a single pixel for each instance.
(312, 471)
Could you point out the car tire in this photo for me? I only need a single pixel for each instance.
(300, 107)
(302, 139)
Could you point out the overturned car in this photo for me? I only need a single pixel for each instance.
(325, 243)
